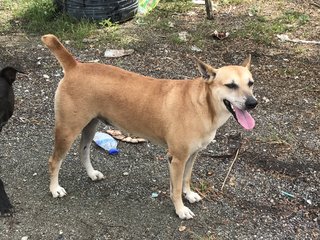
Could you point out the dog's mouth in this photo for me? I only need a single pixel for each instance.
(242, 116)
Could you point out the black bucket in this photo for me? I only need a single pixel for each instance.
(115, 10)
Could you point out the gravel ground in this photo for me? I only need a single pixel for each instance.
(280, 156)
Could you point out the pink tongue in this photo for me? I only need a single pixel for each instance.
(245, 119)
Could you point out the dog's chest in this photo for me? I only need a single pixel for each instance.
(208, 138)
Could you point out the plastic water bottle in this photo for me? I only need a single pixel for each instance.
(106, 142)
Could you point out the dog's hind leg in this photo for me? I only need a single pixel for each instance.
(64, 137)
(85, 143)
(189, 194)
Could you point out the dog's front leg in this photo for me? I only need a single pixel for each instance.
(189, 194)
(177, 167)
(85, 143)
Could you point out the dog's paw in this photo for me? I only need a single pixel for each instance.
(58, 192)
(96, 175)
(192, 197)
(185, 213)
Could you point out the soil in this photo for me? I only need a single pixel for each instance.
(272, 192)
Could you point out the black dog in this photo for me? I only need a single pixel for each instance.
(7, 77)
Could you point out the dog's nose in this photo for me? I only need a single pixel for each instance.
(251, 103)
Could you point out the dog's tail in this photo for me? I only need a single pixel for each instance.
(64, 57)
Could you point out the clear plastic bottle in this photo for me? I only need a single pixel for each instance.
(106, 142)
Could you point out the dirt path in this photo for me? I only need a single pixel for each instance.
(281, 155)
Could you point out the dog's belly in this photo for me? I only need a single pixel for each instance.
(152, 137)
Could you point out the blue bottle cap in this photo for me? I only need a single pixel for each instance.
(113, 151)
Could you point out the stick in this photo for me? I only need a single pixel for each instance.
(315, 4)
(235, 158)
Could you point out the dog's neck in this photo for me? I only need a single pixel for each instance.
(208, 103)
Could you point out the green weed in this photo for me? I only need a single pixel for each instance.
(231, 2)
(170, 6)
(263, 29)
(41, 17)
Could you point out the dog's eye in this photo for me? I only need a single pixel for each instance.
(250, 83)
(232, 86)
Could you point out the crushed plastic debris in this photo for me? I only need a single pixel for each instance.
(154, 194)
(200, 2)
(146, 6)
(285, 38)
(114, 53)
(286, 194)
(106, 142)
(307, 201)
(196, 49)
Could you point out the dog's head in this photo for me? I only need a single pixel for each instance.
(232, 86)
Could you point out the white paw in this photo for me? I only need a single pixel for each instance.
(185, 213)
(96, 175)
(193, 197)
(58, 191)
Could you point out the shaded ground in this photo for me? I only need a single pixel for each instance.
(281, 154)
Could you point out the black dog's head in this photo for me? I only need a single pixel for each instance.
(7, 77)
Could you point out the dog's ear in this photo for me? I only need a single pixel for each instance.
(9, 73)
(207, 72)
(247, 62)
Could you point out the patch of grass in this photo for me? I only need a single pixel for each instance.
(289, 71)
(202, 187)
(175, 39)
(262, 29)
(41, 17)
(276, 138)
(160, 17)
(294, 17)
(254, 10)
(203, 29)
(231, 2)
(170, 6)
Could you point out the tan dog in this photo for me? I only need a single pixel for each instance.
(182, 115)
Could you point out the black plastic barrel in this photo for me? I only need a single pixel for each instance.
(115, 10)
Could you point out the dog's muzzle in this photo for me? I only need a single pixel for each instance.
(241, 115)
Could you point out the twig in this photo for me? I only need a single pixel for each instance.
(217, 156)
(201, 194)
(235, 158)
(315, 4)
